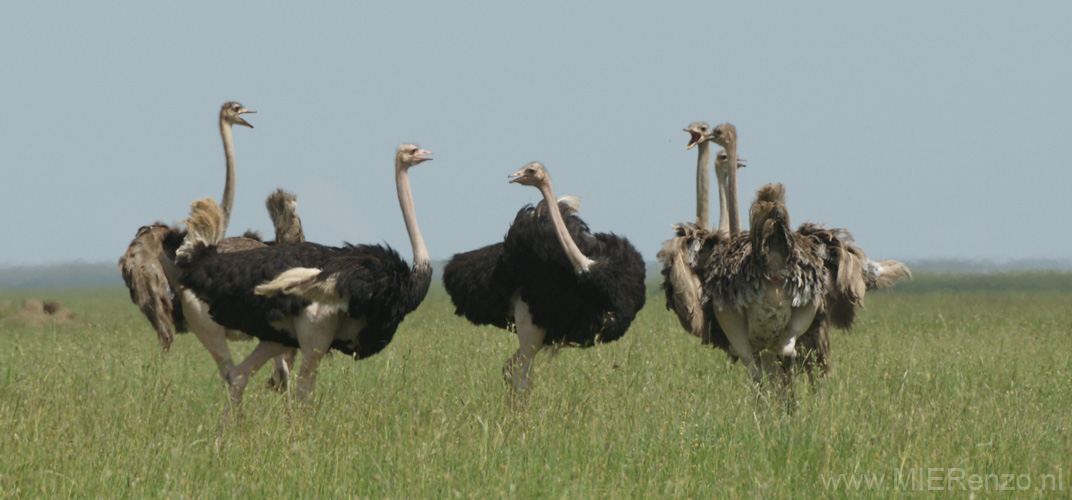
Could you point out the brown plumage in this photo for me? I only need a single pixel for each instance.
(742, 267)
(282, 208)
(684, 256)
(148, 286)
(783, 289)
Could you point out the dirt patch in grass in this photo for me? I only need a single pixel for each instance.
(37, 312)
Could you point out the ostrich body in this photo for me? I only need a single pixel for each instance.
(148, 260)
(306, 295)
(766, 289)
(550, 278)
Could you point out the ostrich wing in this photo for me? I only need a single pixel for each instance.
(480, 286)
(144, 276)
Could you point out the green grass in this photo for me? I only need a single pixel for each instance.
(965, 379)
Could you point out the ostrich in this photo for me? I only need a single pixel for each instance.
(687, 262)
(772, 287)
(145, 263)
(767, 288)
(550, 279)
(683, 256)
(305, 295)
(139, 265)
(847, 268)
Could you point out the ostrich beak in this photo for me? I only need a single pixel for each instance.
(239, 120)
(421, 154)
(694, 139)
(516, 176)
(741, 162)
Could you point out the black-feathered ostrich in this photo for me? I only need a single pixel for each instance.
(307, 295)
(554, 281)
(773, 286)
(144, 263)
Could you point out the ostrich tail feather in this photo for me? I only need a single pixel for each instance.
(204, 228)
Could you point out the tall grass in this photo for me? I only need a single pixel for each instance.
(972, 381)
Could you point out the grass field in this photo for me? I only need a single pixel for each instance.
(947, 384)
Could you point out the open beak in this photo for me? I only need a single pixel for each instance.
(741, 162)
(422, 154)
(242, 121)
(694, 139)
(516, 176)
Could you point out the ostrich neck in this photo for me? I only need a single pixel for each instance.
(580, 262)
(703, 185)
(732, 206)
(722, 181)
(405, 200)
(229, 185)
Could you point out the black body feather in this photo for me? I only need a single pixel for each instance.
(574, 308)
(380, 287)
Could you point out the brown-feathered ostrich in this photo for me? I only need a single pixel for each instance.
(772, 287)
(139, 265)
(306, 295)
(550, 279)
(766, 289)
(149, 254)
(684, 255)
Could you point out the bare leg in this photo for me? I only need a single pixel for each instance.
(315, 333)
(212, 335)
(772, 370)
(799, 321)
(530, 341)
(284, 363)
(239, 376)
(735, 325)
(813, 351)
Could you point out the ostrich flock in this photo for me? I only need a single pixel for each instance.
(767, 297)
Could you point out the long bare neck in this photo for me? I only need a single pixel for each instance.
(732, 206)
(405, 200)
(229, 184)
(703, 184)
(580, 262)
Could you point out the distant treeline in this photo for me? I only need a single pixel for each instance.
(954, 266)
(1004, 281)
(1027, 274)
(69, 275)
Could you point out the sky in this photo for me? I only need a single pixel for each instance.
(930, 130)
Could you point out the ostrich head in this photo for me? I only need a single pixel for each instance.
(722, 160)
(409, 155)
(232, 112)
(532, 174)
(698, 132)
(725, 135)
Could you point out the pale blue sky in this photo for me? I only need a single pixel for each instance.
(929, 129)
